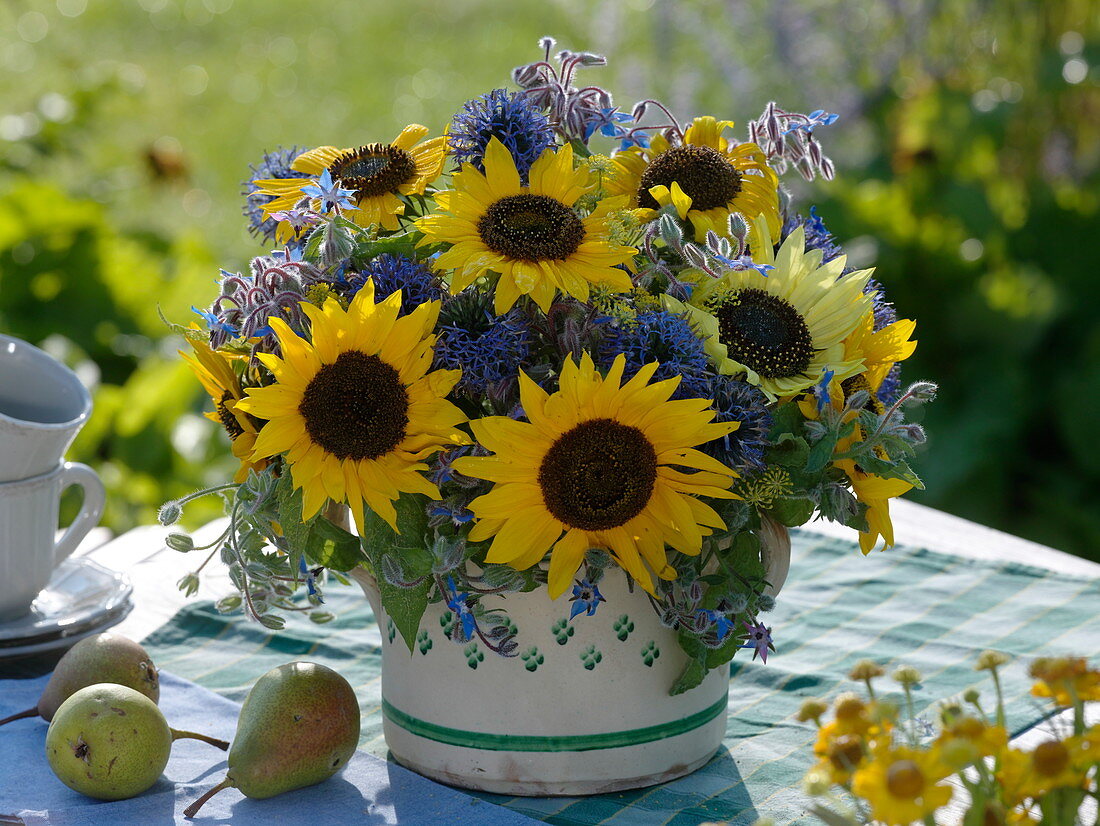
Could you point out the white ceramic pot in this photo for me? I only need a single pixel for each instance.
(583, 709)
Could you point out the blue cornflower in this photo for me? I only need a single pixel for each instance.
(586, 598)
(722, 624)
(457, 603)
(818, 236)
(488, 348)
(330, 193)
(736, 401)
(396, 272)
(511, 118)
(890, 389)
(759, 638)
(663, 337)
(273, 165)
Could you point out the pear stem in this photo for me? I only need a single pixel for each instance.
(30, 712)
(193, 809)
(190, 735)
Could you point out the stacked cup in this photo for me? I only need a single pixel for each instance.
(42, 407)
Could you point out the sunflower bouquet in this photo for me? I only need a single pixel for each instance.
(879, 763)
(556, 340)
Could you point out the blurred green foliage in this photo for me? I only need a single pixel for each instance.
(968, 159)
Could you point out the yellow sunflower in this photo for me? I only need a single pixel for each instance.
(596, 467)
(530, 235)
(706, 177)
(878, 351)
(377, 172)
(902, 785)
(355, 409)
(215, 371)
(782, 330)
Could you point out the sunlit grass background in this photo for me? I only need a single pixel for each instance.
(968, 153)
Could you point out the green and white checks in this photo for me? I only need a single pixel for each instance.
(916, 607)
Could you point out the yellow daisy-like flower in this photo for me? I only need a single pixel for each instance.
(967, 739)
(1067, 680)
(355, 409)
(784, 329)
(215, 371)
(530, 235)
(902, 785)
(596, 466)
(1053, 764)
(706, 178)
(377, 172)
(878, 351)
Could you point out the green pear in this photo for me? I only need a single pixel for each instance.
(299, 725)
(102, 658)
(108, 741)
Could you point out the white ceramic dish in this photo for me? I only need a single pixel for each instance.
(81, 598)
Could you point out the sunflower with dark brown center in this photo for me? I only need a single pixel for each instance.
(354, 409)
(377, 172)
(598, 464)
(706, 177)
(531, 236)
(215, 371)
(783, 330)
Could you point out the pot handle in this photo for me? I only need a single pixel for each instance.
(775, 541)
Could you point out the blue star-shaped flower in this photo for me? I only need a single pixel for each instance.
(330, 193)
(457, 603)
(821, 389)
(586, 599)
(722, 624)
(215, 323)
(311, 581)
(759, 638)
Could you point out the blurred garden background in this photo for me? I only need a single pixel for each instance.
(968, 157)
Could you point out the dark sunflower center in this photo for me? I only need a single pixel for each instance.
(853, 385)
(356, 408)
(702, 172)
(531, 228)
(765, 333)
(374, 169)
(599, 475)
(226, 417)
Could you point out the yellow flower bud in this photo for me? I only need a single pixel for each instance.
(990, 660)
(810, 710)
(907, 675)
(866, 670)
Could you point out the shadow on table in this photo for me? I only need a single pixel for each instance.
(335, 801)
(714, 792)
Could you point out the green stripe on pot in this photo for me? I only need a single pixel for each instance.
(532, 742)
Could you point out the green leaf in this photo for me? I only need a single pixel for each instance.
(333, 547)
(405, 606)
(691, 677)
(821, 452)
(790, 452)
(792, 511)
(743, 556)
(787, 418)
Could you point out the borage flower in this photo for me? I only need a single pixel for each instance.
(595, 466)
(354, 408)
(706, 178)
(783, 330)
(378, 173)
(586, 598)
(530, 235)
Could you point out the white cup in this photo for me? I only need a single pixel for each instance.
(42, 407)
(28, 526)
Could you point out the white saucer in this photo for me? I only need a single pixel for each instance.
(81, 599)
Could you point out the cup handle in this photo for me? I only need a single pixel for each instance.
(91, 509)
